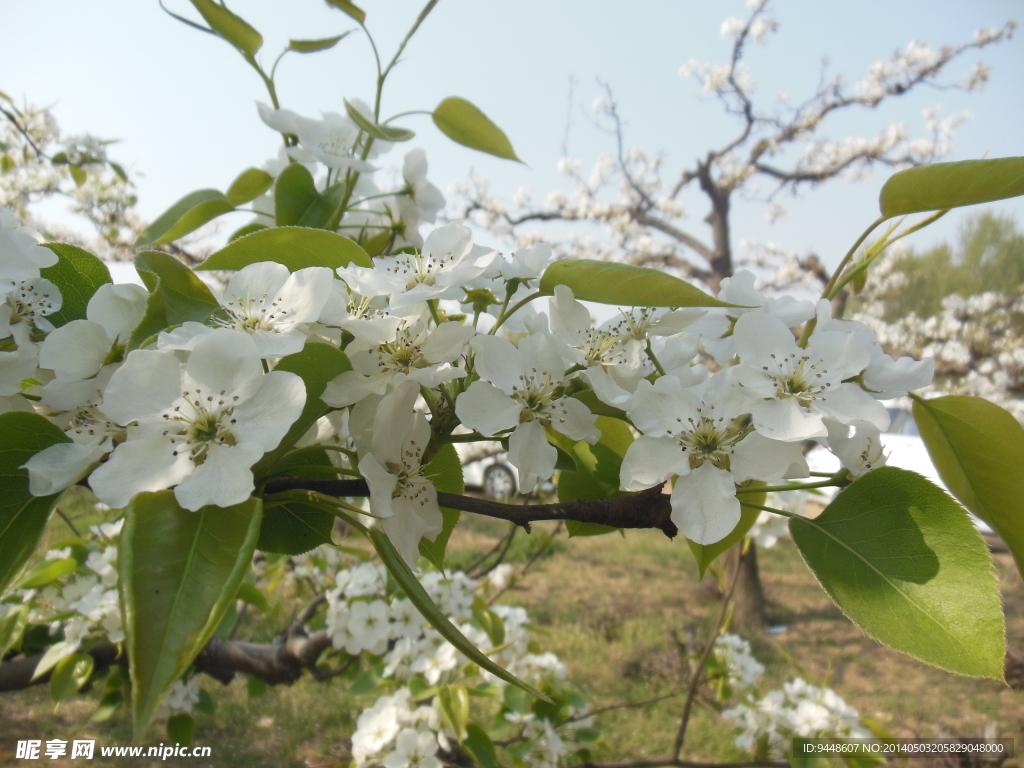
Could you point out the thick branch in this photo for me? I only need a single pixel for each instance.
(647, 509)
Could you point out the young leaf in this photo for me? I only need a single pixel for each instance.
(321, 211)
(608, 282)
(445, 471)
(455, 707)
(294, 192)
(295, 247)
(79, 275)
(180, 572)
(904, 563)
(231, 27)
(312, 46)
(978, 449)
(952, 185)
(250, 184)
(70, 674)
(383, 132)
(12, 627)
(22, 515)
(176, 295)
(419, 597)
(480, 747)
(464, 124)
(186, 215)
(349, 9)
(294, 529)
(47, 571)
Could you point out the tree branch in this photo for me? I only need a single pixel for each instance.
(647, 509)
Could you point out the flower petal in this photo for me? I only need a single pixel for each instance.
(704, 504)
(531, 454)
(265, 418)
(486, 409)
(223, 479)
(136, 466)
(652, 460)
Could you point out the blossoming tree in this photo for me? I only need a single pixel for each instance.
(331, 379)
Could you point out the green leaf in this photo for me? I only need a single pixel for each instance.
(230, 26)
(47, 571)
(706, 554)
(608, 282)
(904, 563)
(78, 174)
(246, 229)
(22, 515)
(316, 365)
(978, 449)
(108, 706)
(480, 747)
(252, 595)
(294, 529)
(180, 572)
(419, 597)
(250, 184)
(350, 9)
(312, 46)
(176, 295)
(464, 124)
(79, 275)
(321, 211)
(952, 185)
(186, 215)
(454, 701)
(71, 673)
(596, 406)
(295, 247)
(445, 471)
(12, 626)
(294, 192)
(181, 728)
(383, 132)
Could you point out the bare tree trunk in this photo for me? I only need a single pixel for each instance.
(749, 604)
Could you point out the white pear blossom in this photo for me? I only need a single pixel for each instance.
(400, 493)
(422, 201)
(696, 435)
(198, 426)
(859, 452)
(518, 391)
(413, 750)
(791, 389)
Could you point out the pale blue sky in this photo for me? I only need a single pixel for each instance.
(183, 102)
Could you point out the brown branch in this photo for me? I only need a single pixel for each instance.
(647, 509)
(16, 674)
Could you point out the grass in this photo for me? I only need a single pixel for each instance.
(616, 610)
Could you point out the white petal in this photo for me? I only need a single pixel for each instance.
(255, 282)
(704, 504)
(486, 409)
(850, 403)
(894, 378)
(759, 336)
(759, 458)
(446, 342)
(382, 485)
(654, 408)
(76, 350)
(266, 417)
(226, 362)
(393, 422)
(278, 344)
(569, 318)
(498, 361)
(350, 387)
(136, 466)
(785, 419)
(530, 453)
(58, 467)
(303, 296)
(147, 383)
(573, 419)
(224, 479)
(652, 460)
(184, 337)
(118, 308)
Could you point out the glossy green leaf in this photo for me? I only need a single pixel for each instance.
(464, 124)
(350, 9)
(706, 554)
(230, 26)
(250, 184)
(294, 192)
(176, 295)
(904, 563)
(445, 472)
(312, 46)
(186, 215)
(383, 132)
(295, 247)
(609, 282)
(47, 571)
(180, 572)
(480, 747)
(952, 185)
(419, 597)
(978, 449)
(294, 529)
(78, 274)
(181, 729)
(454, 701)
(12, 627)
(71, 673)
(22, 515)
(316, 365)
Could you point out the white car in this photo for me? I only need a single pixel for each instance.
(903, 447)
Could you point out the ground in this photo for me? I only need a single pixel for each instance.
(616, 610)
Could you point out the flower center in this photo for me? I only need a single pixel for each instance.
(799, 378)
(252, 314)
(202, 422)
(402, 354)
(411, 482)
(30, 302)
(707, 437)
(536, 392)
(420, 268)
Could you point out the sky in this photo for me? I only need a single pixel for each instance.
(182, 103)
